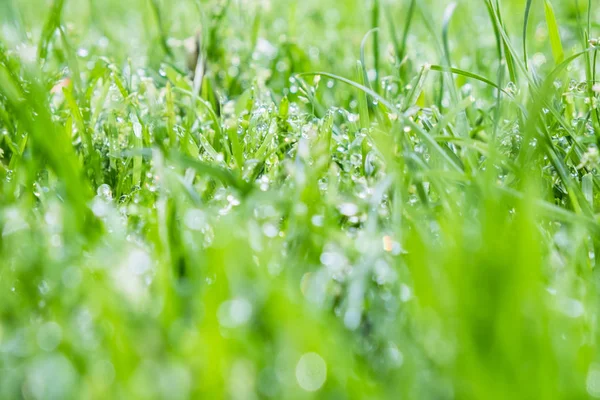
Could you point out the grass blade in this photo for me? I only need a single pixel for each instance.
(161, 28)
(375, 25)
(363, 61)
(52, 23)
(448, 13)
(468, 74)
(525, 23)
(508, 51)
(554, 33)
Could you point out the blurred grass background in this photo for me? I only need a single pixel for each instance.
(411, 233)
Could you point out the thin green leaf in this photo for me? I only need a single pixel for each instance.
(525, 23)
(52, 23)
(468, 74)
(553, 33)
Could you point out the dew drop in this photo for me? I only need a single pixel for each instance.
(311, 372)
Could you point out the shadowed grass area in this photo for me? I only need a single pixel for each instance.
(299, 199)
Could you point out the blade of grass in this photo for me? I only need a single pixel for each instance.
(161, 28)
(415, 92)
(363, 64)
(468, 74)
(52, 23)
(554, 33)
(375, 25)
(508, 51)
(363, 100)
(525, 23)
(448, 13)
(400, 46)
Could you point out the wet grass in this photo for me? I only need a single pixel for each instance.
(250, 199)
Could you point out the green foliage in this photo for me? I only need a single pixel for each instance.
(306, 199)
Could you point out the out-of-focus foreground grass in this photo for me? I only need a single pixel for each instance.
(326, 199)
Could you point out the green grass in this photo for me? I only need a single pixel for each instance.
(337, 200)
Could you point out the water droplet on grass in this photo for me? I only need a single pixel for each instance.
(352, 318)
(234, 313)
(139, 261)
(405, 293)
(353, 117)
(100, 207)
(71, 277)
(571, 308)
(348, 209)
(49, 336)
(195, 219)
(104, 192)
(311, 372)
(44, 288)
(270, 230)
(50, 377)
(593, 381)
(317, 220)
(103, 42)
(137, 128)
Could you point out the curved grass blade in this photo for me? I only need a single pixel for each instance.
(565, 63)
(468, 74)
(363, 43)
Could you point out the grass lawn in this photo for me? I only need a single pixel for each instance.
(316, 199)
